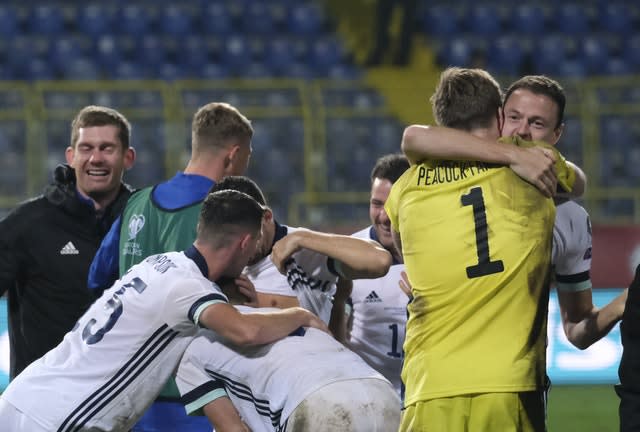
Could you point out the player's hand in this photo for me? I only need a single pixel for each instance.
(312, 320)
(404, 284)
(283, 249)
(536, 166)
(246, 288)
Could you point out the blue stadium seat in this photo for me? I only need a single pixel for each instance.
(527, 18)
(457, 51)
(22, 52)
(81, 68)
(343, 71)
(255, 70)
(616, 66)
(63, 51)
(192, 51)
(46, 19)
(212, 70)
(616, 18)
(216, 19)
(107, 52)
(572, 68)
(95, 20)
(9, 21)
(128, 70)
(279, 55)
(38, 69)
(594, 51)
(326, 52)
(134, 19)
(257, 19)
(300, 70)
(305, 19)
(571, 18)
(505, 55)
(150, 50)
(236, 53)
(550, 51)
(175, 21)
(631, 52)
(440, 20)
(483, 20)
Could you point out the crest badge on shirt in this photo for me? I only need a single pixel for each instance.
(131, 247)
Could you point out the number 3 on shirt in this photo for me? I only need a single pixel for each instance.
(485, 266)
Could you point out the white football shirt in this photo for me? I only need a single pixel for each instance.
(379, 319)
(265, 383)
(110, 367)
(308, 278)
(571, 254)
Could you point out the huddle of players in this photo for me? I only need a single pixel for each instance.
(281, 385)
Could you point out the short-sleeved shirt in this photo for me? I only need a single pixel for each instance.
(379, 319)
(265, 383)
(571, 255)
(310, 277)
(476, 243)
(111, 366)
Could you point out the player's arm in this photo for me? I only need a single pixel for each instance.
(256, 328)
(354, 258)
(9, 257)
(584, 323)
(533, 164)
(339, 316)
(223, 416)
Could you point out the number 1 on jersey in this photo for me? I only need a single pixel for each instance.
(485, 266)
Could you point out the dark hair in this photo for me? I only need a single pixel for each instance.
(227, 213)
(390, 167)
(541, 85)
(241, 184)
(94, 115)
(466, 99)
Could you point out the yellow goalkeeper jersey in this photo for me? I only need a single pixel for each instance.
(476, 241)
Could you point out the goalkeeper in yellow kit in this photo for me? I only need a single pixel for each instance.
(476, 241)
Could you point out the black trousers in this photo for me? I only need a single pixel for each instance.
(629, 371)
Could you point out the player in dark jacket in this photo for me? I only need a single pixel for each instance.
(47, 243)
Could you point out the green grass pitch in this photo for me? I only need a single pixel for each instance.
(583, 408)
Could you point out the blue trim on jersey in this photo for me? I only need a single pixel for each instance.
(118, 384)
(179, 191)
(195, 255)
(243, 391)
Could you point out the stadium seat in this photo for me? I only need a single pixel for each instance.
(550, 50)
(128, 70)
(483, 20)
(257, 19)
(107, 52)
(37, 69)
(572, 68)
(236, 53)
(527, 18)
(440, 21)
(616, 66)
(279, 55)
(631, 52)
(81, 68)
(344, 71)
(150, 51)
(505, 55)
(216, 19)
(616, 18)
(326, 52)
(457, 51)
(9, 22)
(46, 19)
(571, 18)
(212, 70)
(594, 51)
(305, 19)
(134, 19)
(191, 51)
(95, 20)
(175, 21)
(63, 51)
